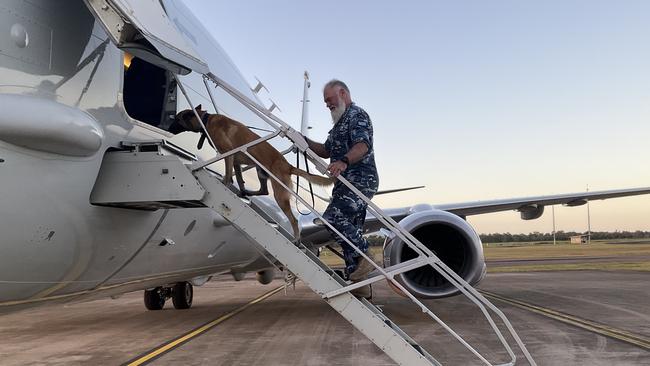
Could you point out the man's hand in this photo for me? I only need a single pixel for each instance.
(337, 168)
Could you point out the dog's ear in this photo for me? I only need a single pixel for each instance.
(198, 108)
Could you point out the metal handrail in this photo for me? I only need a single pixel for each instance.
(425, 254)
(203, 164)
(381, 270)
(438, 265)
(412, 242)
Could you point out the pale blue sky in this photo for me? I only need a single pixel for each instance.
(474, 99)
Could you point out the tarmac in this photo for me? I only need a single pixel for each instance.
(573, 260)
(299, 328)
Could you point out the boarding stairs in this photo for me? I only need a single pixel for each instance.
(157, 174)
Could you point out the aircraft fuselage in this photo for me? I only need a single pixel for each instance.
(62, 97)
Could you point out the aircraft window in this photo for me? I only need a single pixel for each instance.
(149, 92)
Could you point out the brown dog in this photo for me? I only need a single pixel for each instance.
(228, 134)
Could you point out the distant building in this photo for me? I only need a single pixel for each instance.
(580, 239)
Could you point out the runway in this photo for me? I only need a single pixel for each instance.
(574, 260)
(300, 329)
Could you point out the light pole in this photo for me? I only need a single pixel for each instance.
(553, 209)
(588, 221)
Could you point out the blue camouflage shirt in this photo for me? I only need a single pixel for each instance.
(354, 126)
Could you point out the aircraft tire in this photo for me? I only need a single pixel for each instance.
(182, 295)
(154, 299)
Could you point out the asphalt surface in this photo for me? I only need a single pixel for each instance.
(300, 329)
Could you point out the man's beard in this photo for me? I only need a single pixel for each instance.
(337, 112)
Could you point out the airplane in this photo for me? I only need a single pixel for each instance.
(81, 80)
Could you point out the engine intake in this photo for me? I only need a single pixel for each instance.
(451, 238)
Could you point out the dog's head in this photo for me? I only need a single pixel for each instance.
(186, 121)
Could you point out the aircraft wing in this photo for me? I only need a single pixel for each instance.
(529, 207)
(527, 203)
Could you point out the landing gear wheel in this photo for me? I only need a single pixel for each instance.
(154, 299)
(182, 295)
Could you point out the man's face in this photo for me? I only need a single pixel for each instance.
(334, 101)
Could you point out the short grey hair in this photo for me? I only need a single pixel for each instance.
(335, 82)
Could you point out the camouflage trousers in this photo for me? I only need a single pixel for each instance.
(347, 213)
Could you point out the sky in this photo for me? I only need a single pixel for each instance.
(476, 100)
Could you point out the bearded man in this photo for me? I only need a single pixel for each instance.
(350, 150)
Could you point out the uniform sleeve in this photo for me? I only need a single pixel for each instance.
(361, 130)
(328, 144)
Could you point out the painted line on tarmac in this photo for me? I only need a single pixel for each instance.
(177, 342)
(591, 326)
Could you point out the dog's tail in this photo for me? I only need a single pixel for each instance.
(315, 179)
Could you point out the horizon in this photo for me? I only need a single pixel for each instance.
(506, 99)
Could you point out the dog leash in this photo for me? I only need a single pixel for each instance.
(205, 118)
(203, 137)
(311, 189)
(260, 129)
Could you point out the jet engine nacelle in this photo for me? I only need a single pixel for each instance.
(451, 238)
(531, 212)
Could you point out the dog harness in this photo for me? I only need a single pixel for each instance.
(204, 118)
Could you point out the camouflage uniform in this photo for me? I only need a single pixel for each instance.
(347, 212)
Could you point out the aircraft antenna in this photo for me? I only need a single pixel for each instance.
(304, 124)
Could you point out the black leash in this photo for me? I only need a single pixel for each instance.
(205, 118)
(260, 129)
(311, 189)
(336, 252)
(203, 137)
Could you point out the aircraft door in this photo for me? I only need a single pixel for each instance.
(142, 28)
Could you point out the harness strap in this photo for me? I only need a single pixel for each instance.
(204, 118)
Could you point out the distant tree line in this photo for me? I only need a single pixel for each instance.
(561, 235)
